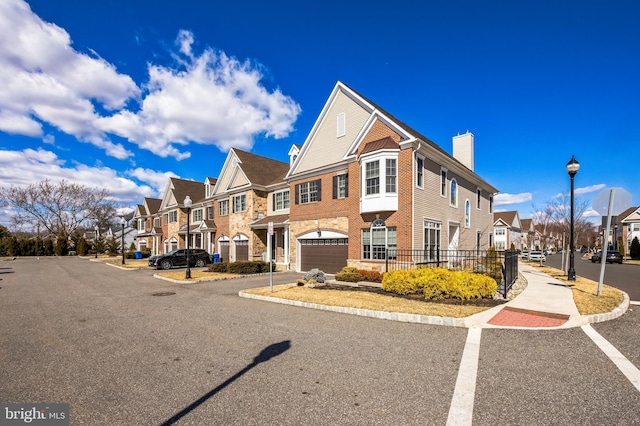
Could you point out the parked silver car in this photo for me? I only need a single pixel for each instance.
(537, 256)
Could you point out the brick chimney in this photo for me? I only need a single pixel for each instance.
(463, 149)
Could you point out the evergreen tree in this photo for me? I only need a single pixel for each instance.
(61, 248)
(635, 249)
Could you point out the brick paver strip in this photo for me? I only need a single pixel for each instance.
(516, 317)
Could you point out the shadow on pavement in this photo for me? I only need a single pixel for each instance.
(266, 354)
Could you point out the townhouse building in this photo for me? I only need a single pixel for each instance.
(361, 186)
(365, 184)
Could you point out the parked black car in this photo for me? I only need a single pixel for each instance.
(178, 258)
(612, 257)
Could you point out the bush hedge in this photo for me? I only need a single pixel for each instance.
(241, 267)
(440, 283)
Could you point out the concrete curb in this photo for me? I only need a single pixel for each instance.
(467, 322)
(194, 280)
(392, 316)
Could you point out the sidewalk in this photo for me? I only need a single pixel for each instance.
(545, 303)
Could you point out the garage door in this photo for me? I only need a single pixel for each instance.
(224, 251)
(242, 250)
(328, 255)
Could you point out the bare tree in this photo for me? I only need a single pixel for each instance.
(556, 217)
(60, 208)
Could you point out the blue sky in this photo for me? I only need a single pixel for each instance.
(124, 94)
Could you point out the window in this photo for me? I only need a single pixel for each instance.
(341, 186)
(210, 213)
(490, 203)
(635, 227)
(281, 200)
(239, 203)
(340, 125)
(391, 175)
(197, 215)
(166, 218)
(453, 201)
(223, 207)
(156, 222)
(419, 172)
(478, 241)
(443, 182)
(467, 214)
(478, 197)
(207, 190)
(308, 192)
(372, 175)
(173, 216)
(140, 225)
(379, 240)
(432, 231)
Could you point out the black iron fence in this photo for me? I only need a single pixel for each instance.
(501, 265)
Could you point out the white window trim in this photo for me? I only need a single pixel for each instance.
(420, 157)
(276, 193)
(443, 182)
(457, 193)
(381, 158)
(467, 213)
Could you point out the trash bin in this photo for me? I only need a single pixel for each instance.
(138, 255)
(216, 258)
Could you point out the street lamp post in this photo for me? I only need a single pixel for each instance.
(572, 169)
(95, 240)
(187, 205)
(123, 222)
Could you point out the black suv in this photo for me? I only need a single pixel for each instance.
(197, 258)
(612, 257)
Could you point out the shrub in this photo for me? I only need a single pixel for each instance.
(349, 274)
(241, 267)
(440, 283)
(368, 275)
(315, 274)
(634, 251)
(218, 267)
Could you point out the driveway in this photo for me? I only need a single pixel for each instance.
(97, 338)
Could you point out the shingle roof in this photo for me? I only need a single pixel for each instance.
(183, 187)
(276, 219)
(153, 204)
(627, 212)
(507, 217)
(262, 170)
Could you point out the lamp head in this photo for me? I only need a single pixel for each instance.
(573, 166)
(187, 202)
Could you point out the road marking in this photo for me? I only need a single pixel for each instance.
(635, 303)
(623, 364)
(461, 409)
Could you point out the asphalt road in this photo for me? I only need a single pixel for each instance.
(626, 277)
(84, 333)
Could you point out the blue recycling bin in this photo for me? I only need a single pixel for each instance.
(216, 258)
(138, 255)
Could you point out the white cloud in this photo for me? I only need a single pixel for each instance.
(506, 199)
(209, 99)
(157, 180)
(212, 99)
(583, 190)
(44, 80)
(38, 165)
(590, 212)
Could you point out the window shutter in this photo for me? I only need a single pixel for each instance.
(335, 187)
(319, 189)
(273, 199)
(346, 185)
(297, 197)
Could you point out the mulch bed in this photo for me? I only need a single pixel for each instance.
(417, 297)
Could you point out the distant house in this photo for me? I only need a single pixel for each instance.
(148, 226)
(508, 230)
(630, 224)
